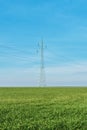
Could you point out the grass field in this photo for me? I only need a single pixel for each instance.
(43, 108)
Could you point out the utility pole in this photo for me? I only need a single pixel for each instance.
(42, 82)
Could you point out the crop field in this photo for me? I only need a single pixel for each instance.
(43, 108)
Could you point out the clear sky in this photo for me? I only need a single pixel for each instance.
(63, 26)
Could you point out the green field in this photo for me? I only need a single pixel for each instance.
(43, 108)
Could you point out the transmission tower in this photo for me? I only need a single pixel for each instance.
(42, 82)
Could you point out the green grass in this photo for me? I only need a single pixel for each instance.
(43, 108)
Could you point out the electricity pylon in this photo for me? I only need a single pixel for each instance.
(42, 82)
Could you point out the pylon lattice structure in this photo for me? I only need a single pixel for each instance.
(42, 82)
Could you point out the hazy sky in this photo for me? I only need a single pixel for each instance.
(63, 26)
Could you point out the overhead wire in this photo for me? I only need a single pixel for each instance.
(23, 54)
(63, 58)
(14, 49)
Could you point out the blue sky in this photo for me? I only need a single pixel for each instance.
(63, 27)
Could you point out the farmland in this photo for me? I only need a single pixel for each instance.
(43, 108)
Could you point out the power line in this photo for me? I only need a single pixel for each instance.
(14, 52)
(60, 56)
(14, 48)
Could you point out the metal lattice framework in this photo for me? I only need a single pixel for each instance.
(42, 82)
